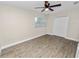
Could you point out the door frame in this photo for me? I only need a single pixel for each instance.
(67, 25)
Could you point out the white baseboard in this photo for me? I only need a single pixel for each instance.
(15, 43)
(72, 39)
(66, 37)
(49, 33)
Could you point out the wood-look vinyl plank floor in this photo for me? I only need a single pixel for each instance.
(46, 46)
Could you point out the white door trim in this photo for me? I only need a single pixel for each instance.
(58, 27)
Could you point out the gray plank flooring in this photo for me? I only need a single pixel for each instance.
(46, 46)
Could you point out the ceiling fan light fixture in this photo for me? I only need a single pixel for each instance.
(47, 6)
(46, 9)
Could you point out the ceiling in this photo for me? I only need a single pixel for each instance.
(30, 5)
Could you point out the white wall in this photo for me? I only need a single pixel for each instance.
(73, 27)
(17, 24)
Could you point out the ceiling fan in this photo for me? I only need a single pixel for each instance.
(47, 6)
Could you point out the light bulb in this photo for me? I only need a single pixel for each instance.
(46, 9)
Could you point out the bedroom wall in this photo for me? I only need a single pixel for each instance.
(17, 24)
(73, 27)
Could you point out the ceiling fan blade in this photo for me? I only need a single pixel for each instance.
(56, 5)
(43, 10)
(51, 9)
(39, 7)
